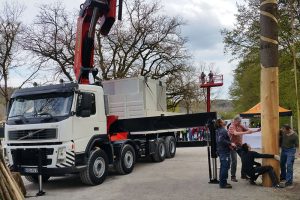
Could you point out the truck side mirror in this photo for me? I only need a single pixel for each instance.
(84, 108)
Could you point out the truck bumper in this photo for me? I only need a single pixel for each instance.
(48, 171)
(43, 159)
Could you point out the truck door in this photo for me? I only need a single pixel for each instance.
(87, 121)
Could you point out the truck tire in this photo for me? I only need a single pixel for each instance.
(97, 168)
(35, 179)
(170, 144)
(126, 161)
(160, 151)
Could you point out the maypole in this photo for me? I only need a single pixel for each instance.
(269, 83)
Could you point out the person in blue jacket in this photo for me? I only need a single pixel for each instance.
(223, 149)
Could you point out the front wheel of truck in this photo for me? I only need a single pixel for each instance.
(97, 168)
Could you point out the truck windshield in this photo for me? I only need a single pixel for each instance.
(42, 105)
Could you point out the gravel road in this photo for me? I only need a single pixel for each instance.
(184, 177)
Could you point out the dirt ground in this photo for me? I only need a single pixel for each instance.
(184, 177)
(294, 193)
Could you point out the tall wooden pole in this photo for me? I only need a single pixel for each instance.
(269, 83)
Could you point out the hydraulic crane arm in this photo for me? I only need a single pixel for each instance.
(91, 12)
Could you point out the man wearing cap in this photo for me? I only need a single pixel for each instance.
(236, 132)
(289, 144)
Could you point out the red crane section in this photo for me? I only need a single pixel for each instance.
(91, 11)
(212, 81)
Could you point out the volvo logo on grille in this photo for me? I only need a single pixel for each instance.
(30, 134)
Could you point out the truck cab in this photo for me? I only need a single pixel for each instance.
(59, 119)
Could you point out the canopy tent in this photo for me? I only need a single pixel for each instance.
(255, 111)
(255, 139)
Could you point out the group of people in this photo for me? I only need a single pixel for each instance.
(210, 77)
(230, 144)
(193, 134)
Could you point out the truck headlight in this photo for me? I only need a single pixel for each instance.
(61, 154)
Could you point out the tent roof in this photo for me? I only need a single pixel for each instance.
(255, 111)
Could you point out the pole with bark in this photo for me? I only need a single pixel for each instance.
(269, 93)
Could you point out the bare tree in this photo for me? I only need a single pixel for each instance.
(10, 29)
(144, 43)
(184, 90)
(51, 38)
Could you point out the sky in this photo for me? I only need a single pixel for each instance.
(204, 20)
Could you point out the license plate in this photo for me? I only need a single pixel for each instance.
(31, 170)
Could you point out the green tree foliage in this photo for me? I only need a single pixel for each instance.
(242, 43)
(245, 90)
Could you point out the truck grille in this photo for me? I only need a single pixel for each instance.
(33, 134)
(30, 157)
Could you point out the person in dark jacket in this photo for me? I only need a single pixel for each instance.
(202, 77)
(254, 169)
(211, 76)
(223, 148)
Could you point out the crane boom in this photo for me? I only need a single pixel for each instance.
(91, 11)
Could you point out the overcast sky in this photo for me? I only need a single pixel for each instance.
(204, 21)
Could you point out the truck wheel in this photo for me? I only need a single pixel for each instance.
(125, 164)
(170, 144)
(160, 151)
(97, 168)
(35, 179)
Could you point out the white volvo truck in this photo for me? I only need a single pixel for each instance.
(73, 128)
